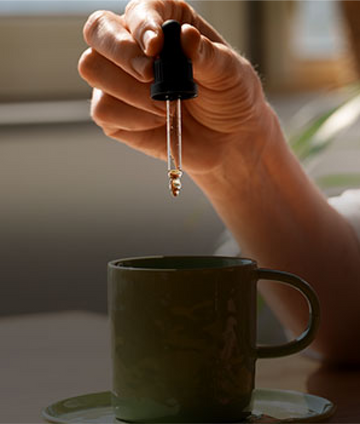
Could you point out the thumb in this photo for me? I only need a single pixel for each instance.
(215, 64)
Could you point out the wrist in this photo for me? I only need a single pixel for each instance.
(250, 156)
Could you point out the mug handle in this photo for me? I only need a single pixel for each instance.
(308, 335)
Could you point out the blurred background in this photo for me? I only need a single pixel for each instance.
(73, 199)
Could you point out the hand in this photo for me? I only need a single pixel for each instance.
(226, 115)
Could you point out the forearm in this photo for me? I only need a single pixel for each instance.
(280, 219)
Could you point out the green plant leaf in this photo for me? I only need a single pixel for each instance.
(338, 180)
(301, 143)
(320, 133)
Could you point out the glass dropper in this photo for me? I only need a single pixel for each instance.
(173, 82)
(174, 145)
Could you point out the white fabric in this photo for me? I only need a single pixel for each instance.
(348, 205)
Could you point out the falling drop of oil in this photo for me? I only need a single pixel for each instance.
(174, 181)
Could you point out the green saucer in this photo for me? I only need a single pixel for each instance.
(270, 406)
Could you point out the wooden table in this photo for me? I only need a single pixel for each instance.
(48, 357)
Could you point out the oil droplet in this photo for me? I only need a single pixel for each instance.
(175, 186)
(174, 181)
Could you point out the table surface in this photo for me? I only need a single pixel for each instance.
(48, 357)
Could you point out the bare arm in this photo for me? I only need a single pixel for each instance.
(245, 168)
(279, 217)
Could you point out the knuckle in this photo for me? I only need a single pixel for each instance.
(86, 64)
(93, 24)
(99, 110)
(109, 131)
(122, 44)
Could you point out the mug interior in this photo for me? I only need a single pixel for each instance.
(175, 263)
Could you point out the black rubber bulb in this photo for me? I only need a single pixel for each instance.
(173, 76)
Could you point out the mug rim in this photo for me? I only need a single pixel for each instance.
(242, 261)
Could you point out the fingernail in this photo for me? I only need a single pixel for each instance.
(147, 37)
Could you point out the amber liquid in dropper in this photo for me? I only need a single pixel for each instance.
(174, 145)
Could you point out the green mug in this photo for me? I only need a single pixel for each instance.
(183, 333)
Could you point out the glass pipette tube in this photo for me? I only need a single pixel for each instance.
(174, 145)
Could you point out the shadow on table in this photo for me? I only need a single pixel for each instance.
(341, 385)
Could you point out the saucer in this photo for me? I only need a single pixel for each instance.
(270, 406)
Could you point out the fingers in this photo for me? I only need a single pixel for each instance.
(129, 40)
(144, 20)
(146, 141)
(106, 33)
(107, 111)
(103, 74)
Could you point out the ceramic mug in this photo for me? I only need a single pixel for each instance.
(184, 336)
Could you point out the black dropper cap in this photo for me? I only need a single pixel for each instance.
(173, 76)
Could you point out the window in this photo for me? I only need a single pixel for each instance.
(306, 45)
(318, 30)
